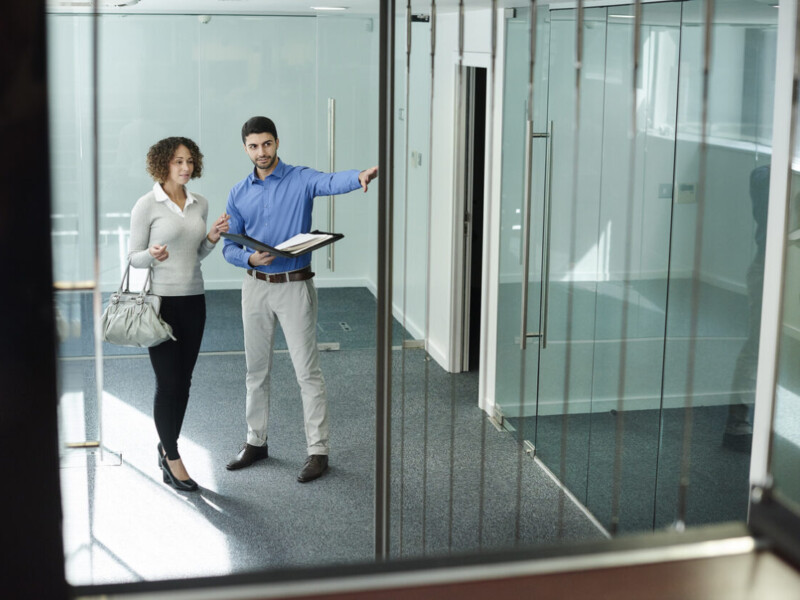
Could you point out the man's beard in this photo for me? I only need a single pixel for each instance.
(270, 162)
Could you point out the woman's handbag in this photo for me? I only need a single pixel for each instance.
(133, 319)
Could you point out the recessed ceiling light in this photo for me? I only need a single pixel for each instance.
(328, 8)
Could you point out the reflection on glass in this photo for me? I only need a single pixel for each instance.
(605, 261)
(633, 240)
(785, 451)
(723, 289)
(611, 381)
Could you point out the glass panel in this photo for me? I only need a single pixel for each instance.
(785, 444)
(411, 385)
(507, 389)
(338, 65)
(72, 152)
(565, 380)
(72, 156)
(517, 368)
(716, 284)
(167, 75)
(632, 262)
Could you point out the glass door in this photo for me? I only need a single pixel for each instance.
(625, 276)
(522, 225)
(601, 369)
(716, 275)
(632, 261)
(568, 353)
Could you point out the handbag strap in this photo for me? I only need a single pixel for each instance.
(124, 285)
(146, 286)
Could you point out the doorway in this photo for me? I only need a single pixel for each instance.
(470, 190)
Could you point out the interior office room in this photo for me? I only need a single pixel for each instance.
(559, 335)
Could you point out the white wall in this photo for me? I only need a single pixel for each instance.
(477, 39)
(347, 71)
(409, 299)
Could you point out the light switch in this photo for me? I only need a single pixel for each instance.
(686, 194)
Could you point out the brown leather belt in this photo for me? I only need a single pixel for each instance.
(299, 275)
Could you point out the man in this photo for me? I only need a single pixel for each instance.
(272, 204)
(738, 434)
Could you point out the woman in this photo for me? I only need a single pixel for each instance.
(168, 233)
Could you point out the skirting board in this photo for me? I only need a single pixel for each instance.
(584, 406)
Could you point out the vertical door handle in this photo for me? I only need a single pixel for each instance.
(526, 232)
(331, 168)
(545, 304)
(526, 235)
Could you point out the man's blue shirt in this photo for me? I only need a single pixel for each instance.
(279, 207)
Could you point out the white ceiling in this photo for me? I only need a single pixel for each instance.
(293, 7)
(742, 11)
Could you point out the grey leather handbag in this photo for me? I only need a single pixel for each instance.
(132, 318)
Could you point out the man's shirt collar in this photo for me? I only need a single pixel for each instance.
(277, 172)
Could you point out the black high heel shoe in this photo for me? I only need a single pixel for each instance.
(183, 485)
(161, 455)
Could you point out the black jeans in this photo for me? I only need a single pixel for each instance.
(173, 363)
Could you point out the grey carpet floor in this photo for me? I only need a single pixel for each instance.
(650, 465)
(122, 523)
(346, 316)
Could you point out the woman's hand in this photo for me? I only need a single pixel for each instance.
(159, 252)
(221, 225)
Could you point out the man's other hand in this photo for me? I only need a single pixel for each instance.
(366, 176)
(260, 259)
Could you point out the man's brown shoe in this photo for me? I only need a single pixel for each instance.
(247, 456)
(314, 467)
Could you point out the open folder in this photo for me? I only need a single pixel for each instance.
(294, 246)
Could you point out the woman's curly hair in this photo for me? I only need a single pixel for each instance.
(161, 153)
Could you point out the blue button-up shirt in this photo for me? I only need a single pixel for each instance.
(277, 208)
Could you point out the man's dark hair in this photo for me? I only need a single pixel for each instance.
(259, 125)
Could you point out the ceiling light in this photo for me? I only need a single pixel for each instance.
(91, 3)
(328, 8)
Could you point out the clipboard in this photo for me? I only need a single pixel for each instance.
(246, 240)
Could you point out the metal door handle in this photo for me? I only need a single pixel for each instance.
(331, 167)
(526, 232)
(545, 304)
(545, 289)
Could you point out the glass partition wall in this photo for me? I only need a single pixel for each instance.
(646, 246)
(780, 482)
(202, 77)
(625, 188)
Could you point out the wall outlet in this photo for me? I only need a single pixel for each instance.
(665, 190)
